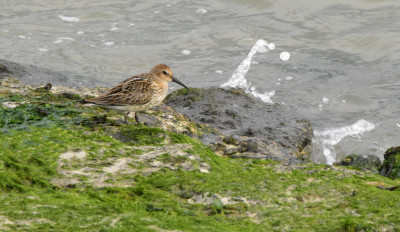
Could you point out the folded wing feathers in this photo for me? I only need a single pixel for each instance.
(132, 91)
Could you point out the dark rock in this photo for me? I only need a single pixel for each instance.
(149, 120)
(33, 75)
(247, 127)
(391, 163)
(389, 188)
(363, 162)
(4, 69)
(46, 87)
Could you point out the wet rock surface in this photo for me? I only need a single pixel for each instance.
(364, 162)
(240, 126)
(246, 127)
(33, 75)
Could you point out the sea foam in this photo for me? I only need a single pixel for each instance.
(329, 137)
(238, 79)
(68, 19)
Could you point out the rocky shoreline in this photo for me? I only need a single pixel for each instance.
(206, 160)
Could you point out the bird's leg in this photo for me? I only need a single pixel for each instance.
(126, 117)
(136, 118)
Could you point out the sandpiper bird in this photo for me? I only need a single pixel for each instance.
(138, 93)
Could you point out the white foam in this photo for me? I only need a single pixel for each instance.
(80, 32)
(109, 43)
(330, 137)
(43, 49)
(114, 28)
(68, 19)
(288, 78)
(201, 11)
(219, 71)
(262, 49)
(62, 39)
(186, 52)
(238, 79)
(271, 46)
(285, 56)
(325, 100)
(265, 97)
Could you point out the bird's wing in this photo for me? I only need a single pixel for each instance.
(132, 91)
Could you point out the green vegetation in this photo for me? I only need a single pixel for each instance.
(137, 178)
(391, 165)
(197, 94)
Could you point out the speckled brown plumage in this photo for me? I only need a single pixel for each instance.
(133, 91)
(139, 92)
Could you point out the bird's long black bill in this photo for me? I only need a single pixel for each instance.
(179, 82)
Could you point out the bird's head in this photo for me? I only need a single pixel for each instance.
(164, 73)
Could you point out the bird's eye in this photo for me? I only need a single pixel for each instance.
(165, 72)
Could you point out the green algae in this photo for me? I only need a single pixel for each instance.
(141, 136)
(264, 195)
(27, 115)
(371, 163)
(156, 201)
(391, 164)
(195, 94)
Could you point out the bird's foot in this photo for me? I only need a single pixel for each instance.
(137, 118)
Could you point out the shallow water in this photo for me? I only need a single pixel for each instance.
(343, 71)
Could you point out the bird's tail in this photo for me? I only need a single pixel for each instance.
(88, 102)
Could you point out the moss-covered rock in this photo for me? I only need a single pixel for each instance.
(391, 163)
(260, 130)
(367, 163)
(64, 167)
